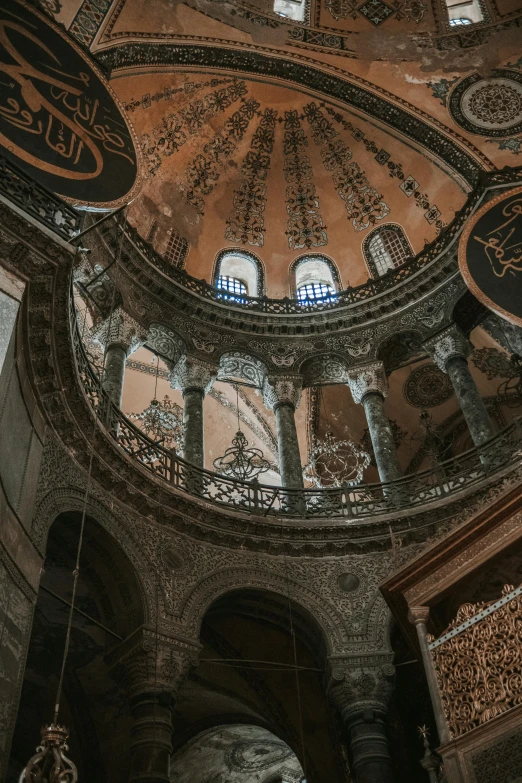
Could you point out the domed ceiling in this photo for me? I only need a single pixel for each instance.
(239, 163)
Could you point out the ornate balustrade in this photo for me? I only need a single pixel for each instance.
(41, 204)
(364, 501)
(478, 661)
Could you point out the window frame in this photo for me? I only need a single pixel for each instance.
(311, 257)
(248, 257)
(368, 257)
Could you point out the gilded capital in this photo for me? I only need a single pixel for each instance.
(282, 390)
(367, 379)
(192, 373)
(120, 329)
(446, 345)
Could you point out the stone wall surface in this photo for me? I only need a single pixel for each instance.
(20, 456)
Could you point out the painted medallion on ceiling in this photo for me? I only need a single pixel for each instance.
(488, 107)
(60, 122)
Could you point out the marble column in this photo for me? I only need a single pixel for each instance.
(152, 675)
(419, 616)
(282, 394)
(506, 334)
(362, 696)
(120, 335)
(194, 378)
(369, 387)
(450, 350)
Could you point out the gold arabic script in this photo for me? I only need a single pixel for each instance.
(70, 127)
(503, 244)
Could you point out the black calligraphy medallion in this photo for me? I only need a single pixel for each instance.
(59, 120)
(490, 255)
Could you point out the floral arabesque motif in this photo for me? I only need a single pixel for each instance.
(172, 132)
(305, 224)
(204, 171)
(479, 670)
(364, 204)
(246, 223)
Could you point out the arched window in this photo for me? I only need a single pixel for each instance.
(238, 272)
(316, 279)
(290, 9)
(464, 13)
(385, 248)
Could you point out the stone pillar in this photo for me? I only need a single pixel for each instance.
(194, 378)
(506, 334)
(362, 695)
(419, 616)
(368, 386)
(450, 350)
(282, 394)
(152, 682)
(120, 335)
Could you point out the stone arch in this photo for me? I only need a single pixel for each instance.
(324, 369)
(399, 348)
(71, 500)
(213, 586)
(467, 312)
(238, 366)
(165, 342)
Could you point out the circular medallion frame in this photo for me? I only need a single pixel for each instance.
(481, 255)
(60, 121)
(488, 107)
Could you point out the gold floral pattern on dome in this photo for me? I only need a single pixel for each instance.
(478, 661)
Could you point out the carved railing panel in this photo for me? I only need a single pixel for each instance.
(38, 202)
(478, 661)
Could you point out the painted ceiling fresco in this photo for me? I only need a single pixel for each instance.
(237, 163)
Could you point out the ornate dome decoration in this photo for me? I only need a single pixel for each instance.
(488, 107)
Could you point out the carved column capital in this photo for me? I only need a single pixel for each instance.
(192, 373)
(353, 688)
(120, 329)
(446, 345)
(367, 379)
(419, 615)
(142, 664)
(282, 390)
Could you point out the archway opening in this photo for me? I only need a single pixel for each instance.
(252, 640)
(108, 608)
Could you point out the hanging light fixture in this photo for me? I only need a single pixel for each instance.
(161, 420)
(239, 461)
(433, 444)
(50, 764)
(335, 463)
